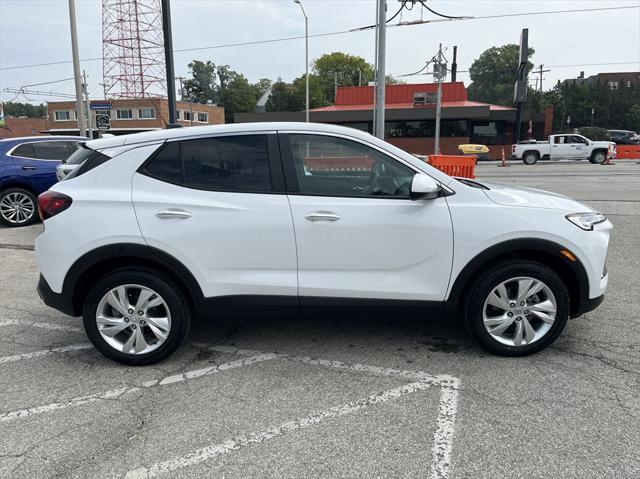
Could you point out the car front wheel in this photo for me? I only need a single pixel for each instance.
(517, 308)
(136, 317)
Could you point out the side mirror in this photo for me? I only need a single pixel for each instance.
(424, 187)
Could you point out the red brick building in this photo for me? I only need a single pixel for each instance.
(23, 126)
(132, 116)
(410, 118)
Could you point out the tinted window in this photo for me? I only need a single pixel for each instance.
(73, 145)
(166, 165)
(233, 163)
(79, 156)
(51, 150)
(331, 166)
(92, 159)
(25, 151)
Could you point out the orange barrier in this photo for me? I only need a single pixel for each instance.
(454, 165)
(627, 152)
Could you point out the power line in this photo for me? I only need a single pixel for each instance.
(340, 32)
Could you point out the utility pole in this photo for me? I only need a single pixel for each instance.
(335, 86)
(306, 58)
(439, 74)
(380, 71)
(168, 58)
(82, 128)
(539, 72)
(454, 65)
(375, 70)
(85, 88)
(520, 90)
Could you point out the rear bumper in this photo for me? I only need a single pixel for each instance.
(60, 301)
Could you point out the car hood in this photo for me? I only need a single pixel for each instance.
(507, 195)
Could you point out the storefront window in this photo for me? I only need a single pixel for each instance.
(487, 133)
(425, 128)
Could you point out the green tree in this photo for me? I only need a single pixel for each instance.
(494, 74)
(17, 109)
(202, 85)
(349, 69)
(283, 98)
(262, 86)
(316, 91)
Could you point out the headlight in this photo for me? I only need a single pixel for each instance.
(586, 220)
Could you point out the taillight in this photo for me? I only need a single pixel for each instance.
(50, 203)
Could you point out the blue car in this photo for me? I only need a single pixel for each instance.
(27, 168)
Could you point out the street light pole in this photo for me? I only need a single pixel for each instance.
(380, 73)
(306, 58)
(168, 57)
(82, 126)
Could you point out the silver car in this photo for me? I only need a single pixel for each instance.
(78, 157)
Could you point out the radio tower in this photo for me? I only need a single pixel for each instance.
(133, 49)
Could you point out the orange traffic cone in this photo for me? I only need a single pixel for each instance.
(504, 160)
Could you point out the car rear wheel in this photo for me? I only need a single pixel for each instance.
(18, 207)
(136, 317)
(517, 309)
(530, 158)
(598, 157)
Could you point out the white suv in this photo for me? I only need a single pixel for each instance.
(157, 228)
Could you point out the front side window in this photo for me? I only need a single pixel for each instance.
(51, 150)
(146, 113)
(124, 114)
(230, 163)
(331, 166)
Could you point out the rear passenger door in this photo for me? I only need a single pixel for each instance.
(218, 205)
(36, 161)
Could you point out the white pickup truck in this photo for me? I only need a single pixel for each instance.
(563, 147)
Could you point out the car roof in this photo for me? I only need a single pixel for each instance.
(42, 138)
(175, 133)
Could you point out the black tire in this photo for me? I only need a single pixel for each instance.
(530, 157)
(598, 157)
(170, 292)
(484, 284)
(29, 197)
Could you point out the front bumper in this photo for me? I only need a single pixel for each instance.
(60, 301)
(588, 305)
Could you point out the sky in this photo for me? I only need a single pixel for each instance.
(37, 31)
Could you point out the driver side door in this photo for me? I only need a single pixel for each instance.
(358, 235)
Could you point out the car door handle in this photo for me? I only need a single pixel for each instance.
(322, 216)
(28, 167)
(167, 214)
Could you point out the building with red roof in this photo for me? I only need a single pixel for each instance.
(410, 118)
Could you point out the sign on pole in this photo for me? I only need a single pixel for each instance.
(101, 105)
(103, 120)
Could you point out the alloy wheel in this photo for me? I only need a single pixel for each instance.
(133, 319)
(17, 208)
(519, 311)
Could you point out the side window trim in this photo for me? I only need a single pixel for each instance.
(10, 152)
(291, 177)
(273, 152)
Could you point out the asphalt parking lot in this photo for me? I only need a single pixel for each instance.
(333, 397)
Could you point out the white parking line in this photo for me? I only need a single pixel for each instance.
(213, 450)
(116, 393)
(447, 406)
(44, 352)
(37, 324)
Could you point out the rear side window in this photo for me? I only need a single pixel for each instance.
(230, 163)
(51, 150)
(90, 160)
(25, 151)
